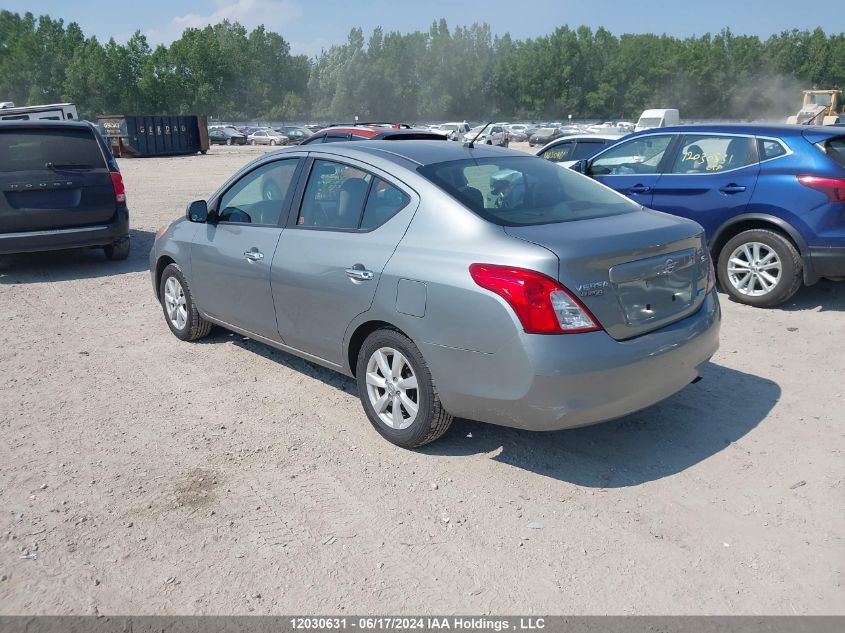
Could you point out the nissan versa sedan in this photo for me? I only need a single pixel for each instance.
(480, 283)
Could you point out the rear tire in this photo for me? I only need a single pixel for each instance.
(229, 141)
(177, 302)
(760, 268)
(391, 373)
(118, 250)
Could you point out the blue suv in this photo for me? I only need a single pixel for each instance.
(771, 198)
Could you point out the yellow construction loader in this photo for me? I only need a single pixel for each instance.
(821, 107)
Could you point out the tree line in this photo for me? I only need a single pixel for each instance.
(226, 71)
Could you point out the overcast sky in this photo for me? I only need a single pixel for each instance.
(310, 25)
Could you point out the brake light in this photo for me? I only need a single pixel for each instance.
(833, 188)
(119, 188)
(542, 305)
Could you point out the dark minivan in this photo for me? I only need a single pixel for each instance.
(60, 188)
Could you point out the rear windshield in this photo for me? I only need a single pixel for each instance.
(835, 148)
(31, 149)
(523, 191)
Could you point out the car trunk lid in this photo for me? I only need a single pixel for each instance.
(53, 178)
(636, 272)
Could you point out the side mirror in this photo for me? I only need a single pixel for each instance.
(582, 167)
(198, 211)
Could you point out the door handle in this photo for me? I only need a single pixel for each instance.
(732, 188)
(359, 273)
(639, 189)
(254, 255)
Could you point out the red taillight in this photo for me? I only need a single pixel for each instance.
(542, 305)
(833, 188)
(119, 188)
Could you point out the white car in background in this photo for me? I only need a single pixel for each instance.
(495, 134)
(452, 131)
(568, 150)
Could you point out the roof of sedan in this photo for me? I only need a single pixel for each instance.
(419, 152)
(772, 129)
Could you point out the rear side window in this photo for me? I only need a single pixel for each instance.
(383, 203)
(344, 197)
(770, 149)
(31, 149)
(835, 149)
(522, 191)
(707, 154)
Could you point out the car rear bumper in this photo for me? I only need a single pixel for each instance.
(545, 383)
(59, 239)
(828, 261)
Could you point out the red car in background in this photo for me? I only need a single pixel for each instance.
(372, 131)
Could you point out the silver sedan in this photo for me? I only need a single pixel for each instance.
(267, 137)
(475, 282)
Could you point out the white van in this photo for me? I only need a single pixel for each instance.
(657, 118)
(51, 112)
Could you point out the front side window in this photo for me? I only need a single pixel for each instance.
(260, 196)
(586, 149)
(641, 155)
(708, 154)
(343, 197)
(520, 191)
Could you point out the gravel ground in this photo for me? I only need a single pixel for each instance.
(143, 475)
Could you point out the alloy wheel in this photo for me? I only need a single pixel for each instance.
(392, 388)
(175, 303)
(754, 269)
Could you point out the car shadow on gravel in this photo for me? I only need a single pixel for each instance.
(78, 263)
(663, 440)
(826, 296)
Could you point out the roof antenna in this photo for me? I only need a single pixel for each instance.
(471, 144)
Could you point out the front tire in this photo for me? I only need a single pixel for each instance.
(396, 389)
(760, 268)
(228, 141)
(180, 312)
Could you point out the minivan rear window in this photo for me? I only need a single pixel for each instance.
(524, 191)
(835, 148)
(30, 149)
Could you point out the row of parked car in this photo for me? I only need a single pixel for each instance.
(283, 135)
(574, 304)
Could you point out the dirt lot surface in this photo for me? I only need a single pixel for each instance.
(143, 475)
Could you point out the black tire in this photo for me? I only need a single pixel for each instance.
(229, 141)
(272, 142)
(118, 250)
(195, 326)
(431, 421)
(791, 274)
(252, 142)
